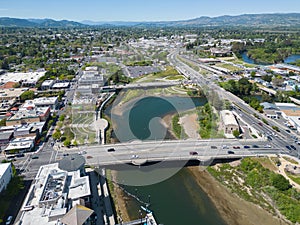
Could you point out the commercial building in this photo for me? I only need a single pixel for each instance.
(47, 84)
(27, 79)
(55, 194)
(5, 175)
(29, 115)
(20, 145)
(229, 123)
(5, 137)
(51, 102)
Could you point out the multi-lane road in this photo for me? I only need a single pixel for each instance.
(282, 138)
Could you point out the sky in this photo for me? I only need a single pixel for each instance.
(140, 10)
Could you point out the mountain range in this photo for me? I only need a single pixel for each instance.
(246, 20)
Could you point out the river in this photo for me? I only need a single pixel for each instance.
(289, 59)
(178, 199)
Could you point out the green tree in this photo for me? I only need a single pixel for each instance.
(236, 133)
(280, 182)
(56, 135)
(27, 95)
(67, 142)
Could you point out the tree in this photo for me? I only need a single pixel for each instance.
(280, 182)
(3, 122)
(56, 135)
(67, 142)
(236, 133)
(27, 95)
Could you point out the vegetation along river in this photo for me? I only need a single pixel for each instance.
(177, 200)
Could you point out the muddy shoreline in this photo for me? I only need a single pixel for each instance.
(233, 209)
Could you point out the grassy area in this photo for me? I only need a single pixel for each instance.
(176, 127)
(295, 178)
(254, 181)
(168, 72)
(241, 62)
(228, 67)
(208, 121)
(176, 77)
(290, 160)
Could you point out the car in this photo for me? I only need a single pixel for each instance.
(288, 131)
(230, 152)
(65, 154)
(213, 147)
(260, 124)
(111, 150)
(246, 146)
(288, 147)
(225, 147)
(255, 146)
(134, 156)
(8, 220)
(236, 147)
(193, 153)
(267, 146)
(11, 157)
(34, 157)
(293, 147)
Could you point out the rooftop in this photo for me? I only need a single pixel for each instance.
(3, 168)
(228, 118)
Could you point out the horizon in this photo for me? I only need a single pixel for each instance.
(128, 21)
(136, 11)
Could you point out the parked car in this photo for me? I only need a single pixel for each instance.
(236, 147)
(246, 146)
(9, 220)
(111, 150)
(34, 157)
(293, 147)
(230, 152)
(213, 147)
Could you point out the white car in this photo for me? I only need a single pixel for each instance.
(134, 156)
(8, 221)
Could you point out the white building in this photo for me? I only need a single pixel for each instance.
(5, 175)
(229, 123)
(53, 193)
(51, 102)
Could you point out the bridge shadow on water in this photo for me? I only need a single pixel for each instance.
(149, 166)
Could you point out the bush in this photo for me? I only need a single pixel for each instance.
(280, 182)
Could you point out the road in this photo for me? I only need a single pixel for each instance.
(281, 140)
(141, 152)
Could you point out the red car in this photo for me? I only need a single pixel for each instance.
(236, 147)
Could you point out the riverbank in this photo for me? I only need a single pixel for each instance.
(234, 210)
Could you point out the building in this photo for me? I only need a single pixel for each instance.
(27, 79)
(61, 85)
(53, 194)
(20, 145)
(229, 123)
(29, 115)
(47, 84)
(291, 113)
(5, 137)
(51, 102)
(5, 175)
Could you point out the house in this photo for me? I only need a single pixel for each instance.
(47, 84)
(229, 123)
(5, 175)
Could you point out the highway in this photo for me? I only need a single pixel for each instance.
(282, 138)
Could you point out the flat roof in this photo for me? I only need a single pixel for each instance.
(12, 92)
(61, 85)
(3, 168)
(228, 118)
(26, 77)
